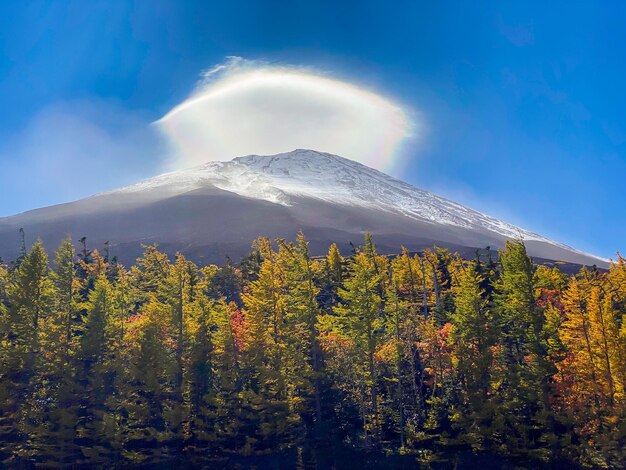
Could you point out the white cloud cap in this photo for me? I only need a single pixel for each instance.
(245, 107)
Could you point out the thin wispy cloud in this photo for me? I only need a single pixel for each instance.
(75, 149)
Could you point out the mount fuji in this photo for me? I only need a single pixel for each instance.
(214, 210)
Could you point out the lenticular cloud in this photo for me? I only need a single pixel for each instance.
(247, 108)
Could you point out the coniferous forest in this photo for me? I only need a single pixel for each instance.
(419, 356)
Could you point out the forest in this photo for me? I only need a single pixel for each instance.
(414, 355)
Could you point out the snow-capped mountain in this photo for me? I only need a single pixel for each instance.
(221, 206)
(329, 178)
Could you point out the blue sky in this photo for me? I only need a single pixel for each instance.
(523, 104)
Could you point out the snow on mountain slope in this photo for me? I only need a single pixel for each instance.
(333, 179)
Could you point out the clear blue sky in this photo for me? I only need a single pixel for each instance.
(525, 102)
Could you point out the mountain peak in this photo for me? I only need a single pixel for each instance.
(290, 177)
(299, 159)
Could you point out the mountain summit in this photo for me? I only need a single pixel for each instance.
(214, 210)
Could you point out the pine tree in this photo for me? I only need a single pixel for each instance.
(305, 361)
(95, 378)
(199, 432)
(224, 282)
(521, 379)
(30, 294)
(332, 278)
(250, 264)
(54, 437)
(228, 420)
(604, 337)
(7, 424)
(113, 364)
(473, 337)
(361, 322)
(617, 283)
(149, 274)
(435, 265)
(407, 277)
(179, 291)
(147, 394)
(579, 369)
(396, 316)
(591, 373)
(408, 288)
(267, 394)
(439, 381)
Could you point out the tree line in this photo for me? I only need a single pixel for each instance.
(408, 354)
